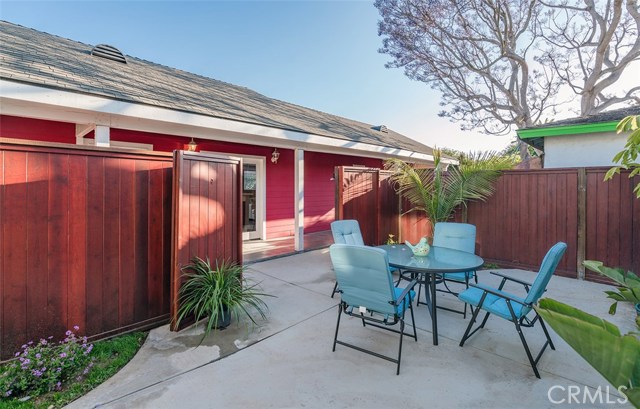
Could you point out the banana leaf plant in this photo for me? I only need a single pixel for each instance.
(628, 285)
(600, 343)
(628, 157)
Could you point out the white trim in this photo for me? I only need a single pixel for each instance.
(28, 100)
(298, 191)
(116, 144)
(102, 135)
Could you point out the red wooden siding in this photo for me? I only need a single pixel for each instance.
(319, 189)
(37, 129)
(83, 236)
(207, 222)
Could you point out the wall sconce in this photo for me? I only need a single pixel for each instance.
(275, 155)
(192, 146)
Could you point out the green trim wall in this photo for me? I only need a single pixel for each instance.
(567, 130)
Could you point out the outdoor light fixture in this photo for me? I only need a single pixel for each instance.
(191, 146)
(275, 155)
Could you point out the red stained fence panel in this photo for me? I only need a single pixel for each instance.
(84, 240)
(530, 211)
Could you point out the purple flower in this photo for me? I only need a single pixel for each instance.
(17, 354)
(76, 327)
(68, 332)
(30, 343)
(50, 337)
(43, 342)
(63, 355)
(26, 361)
(58, 385)
(8, 393)
(24, 346)
(38, 356)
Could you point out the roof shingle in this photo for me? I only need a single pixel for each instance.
(31, 56)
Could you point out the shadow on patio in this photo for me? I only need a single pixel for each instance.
(287, 361)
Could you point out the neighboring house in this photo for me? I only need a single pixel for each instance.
(579, 142)
(58, 90)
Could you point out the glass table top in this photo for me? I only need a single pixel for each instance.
(439, 259)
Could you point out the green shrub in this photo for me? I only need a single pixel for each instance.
(43, 366)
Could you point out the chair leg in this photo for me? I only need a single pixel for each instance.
(526, 348)
(468, 330)
(546, 333)
(335, 338)
(413, 321)
(335, 290)
(400, 347)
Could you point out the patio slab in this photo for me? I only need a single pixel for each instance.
(288, 361)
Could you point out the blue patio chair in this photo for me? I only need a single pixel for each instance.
(367, 292)
(457, 236)
(514, 308)
(347, 232)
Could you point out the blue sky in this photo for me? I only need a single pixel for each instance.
(321, 55)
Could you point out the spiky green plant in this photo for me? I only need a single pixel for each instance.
(213, 292)
(438, 191)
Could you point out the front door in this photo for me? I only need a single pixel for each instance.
(252, 199)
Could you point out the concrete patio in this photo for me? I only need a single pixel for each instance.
(287, 362)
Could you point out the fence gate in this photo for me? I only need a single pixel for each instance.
(207, 220)
(365, 194)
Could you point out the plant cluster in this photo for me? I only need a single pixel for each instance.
(43, 366)
(215, 292)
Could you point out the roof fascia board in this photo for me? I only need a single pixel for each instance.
(608, 126)
(22, 99)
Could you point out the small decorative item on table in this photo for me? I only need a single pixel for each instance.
(421, 249)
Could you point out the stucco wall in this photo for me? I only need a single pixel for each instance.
(572, 151)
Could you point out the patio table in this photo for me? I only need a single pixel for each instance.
(439, 260)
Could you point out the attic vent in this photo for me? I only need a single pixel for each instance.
(108, 52)
(381, 128)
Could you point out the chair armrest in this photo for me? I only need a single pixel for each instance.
(406, 291)
(511, 279)
(499, 293)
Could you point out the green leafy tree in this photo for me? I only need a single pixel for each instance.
(628, 157)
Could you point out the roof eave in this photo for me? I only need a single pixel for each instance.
(55, 104)
(578, 129)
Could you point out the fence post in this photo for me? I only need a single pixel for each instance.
(582, 221)
(338, 176)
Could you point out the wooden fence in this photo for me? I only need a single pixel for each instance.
(530, 211)
(84, 239)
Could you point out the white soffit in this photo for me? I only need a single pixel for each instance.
(33, 101)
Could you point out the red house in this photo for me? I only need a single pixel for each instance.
(58, 90)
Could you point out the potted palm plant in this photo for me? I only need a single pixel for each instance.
(440, 190)
(218, 293)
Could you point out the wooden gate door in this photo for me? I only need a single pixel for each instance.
(366, 195)
(207, 220)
